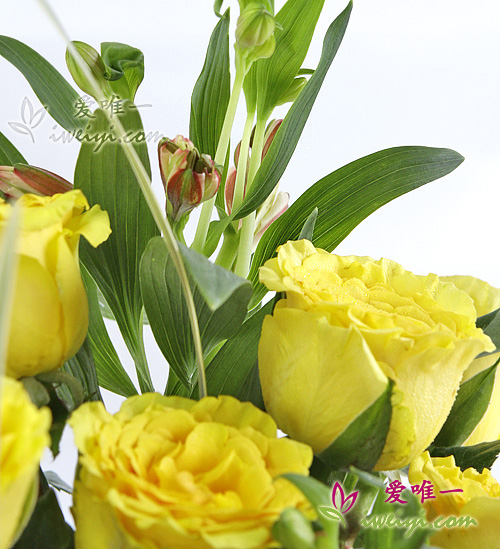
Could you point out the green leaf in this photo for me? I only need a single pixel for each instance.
(9, 155)
(478, 456)
(286, 139)
(215, 283)
(53, 479)
(362, 442)
(215, 230)
(125, 68)
(469, 407)
(217, 7)
(82, 367)
(233, 371)
(53, 91)
(490, 324)
(111, 374)
(219, 318)
(46, 528)
(308, 228)
(104, 175)
(211, 92)
(318, 495)
(274, 75)
(350, 194)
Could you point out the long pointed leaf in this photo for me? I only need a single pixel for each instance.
(9, 155)
(287, 137)
(104, 175)
(274, 75)
(110, 372)
(348, 195)
(54, 92)
(232, 370)
(211, 92)
(168, 316)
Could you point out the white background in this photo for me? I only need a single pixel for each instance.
(409, 72)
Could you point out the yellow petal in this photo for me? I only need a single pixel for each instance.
(307, 368)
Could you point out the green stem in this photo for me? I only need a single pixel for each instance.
(145, 185)
(220, 157)
(241, 173)
(248, 224)
(227, 253)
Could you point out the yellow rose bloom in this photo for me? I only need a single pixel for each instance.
(50, 311)
(486, 299)
(347, 326)
(23, 436)
(480, 500)
(173, 473)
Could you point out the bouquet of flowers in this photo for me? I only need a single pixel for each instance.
(313, 401)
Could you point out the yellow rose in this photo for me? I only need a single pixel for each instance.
(347, 325)
(480, 500)
(50, 311)
(173, 473)
(486, 299)
(23, 436)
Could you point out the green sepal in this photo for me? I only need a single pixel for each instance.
(479, 456)
(469, 407)
(363, 440)
(490, 324)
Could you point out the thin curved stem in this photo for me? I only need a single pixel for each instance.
(145, 185)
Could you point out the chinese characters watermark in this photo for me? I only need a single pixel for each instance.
(31, 119)
(342, 504)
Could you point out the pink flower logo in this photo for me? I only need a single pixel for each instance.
(341, 503)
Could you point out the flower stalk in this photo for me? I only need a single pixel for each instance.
(145, 185)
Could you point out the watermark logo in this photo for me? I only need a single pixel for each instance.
(30, 119)
(341, 503)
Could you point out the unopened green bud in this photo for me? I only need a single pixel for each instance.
(255, 26)
(293, 530)
(92, 60)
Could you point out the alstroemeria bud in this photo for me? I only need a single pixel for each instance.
(22, 178)
(255, 26)
(189, 178)
(275, 205)
(271, 130)
(94, 63)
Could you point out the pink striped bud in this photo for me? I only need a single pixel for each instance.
(189, 178)
(22, 178)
